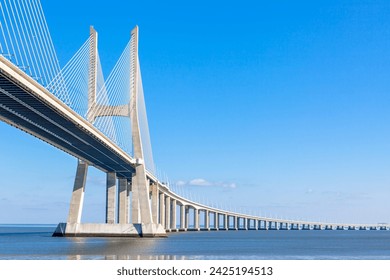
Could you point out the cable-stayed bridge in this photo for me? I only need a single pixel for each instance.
(103, 123)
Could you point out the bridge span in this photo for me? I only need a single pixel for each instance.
(137, 202)
(173, 212)
(178, 214)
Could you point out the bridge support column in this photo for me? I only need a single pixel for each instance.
(110, 198)
(141, 206)
(196, 219)
(123, 211)
(154, 189)
(216, 220)
(77, 200)
(135, 211)
(167, 212)
(226, 222)
(173, 221)
(187, 217)
(183, 218)
(162, 209)
(207, 220)
(256, 224)
(235, 223)
(128, 205)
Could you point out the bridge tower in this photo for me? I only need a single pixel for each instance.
(117, 201)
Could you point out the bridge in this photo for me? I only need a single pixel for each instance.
(103, 123)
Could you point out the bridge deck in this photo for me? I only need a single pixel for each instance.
(22, 107)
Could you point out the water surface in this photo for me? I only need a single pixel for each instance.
(35, 242)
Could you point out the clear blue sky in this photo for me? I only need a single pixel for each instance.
(277, 107)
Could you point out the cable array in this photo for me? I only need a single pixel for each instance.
(144, 127)
(112, 109)
(115, 94)
(25, 40)
(73, 80)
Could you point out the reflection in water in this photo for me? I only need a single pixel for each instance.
(109, 246)
(116, 249)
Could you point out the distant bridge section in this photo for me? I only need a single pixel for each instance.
(176, 213)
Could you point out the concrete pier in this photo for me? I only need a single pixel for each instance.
(162, 209)
(187, 217)
(77, 200)
(155, 201)
(110, 198)
(207, 220)
(196, 219)
(167, 213)
(173, 220)
(216, 220)
(182, 218)
(123, 211)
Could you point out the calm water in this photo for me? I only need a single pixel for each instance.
(35, 242)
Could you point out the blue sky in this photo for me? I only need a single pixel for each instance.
(272, 107)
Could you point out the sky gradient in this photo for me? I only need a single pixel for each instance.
(276, 108)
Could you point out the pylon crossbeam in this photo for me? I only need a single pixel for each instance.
(111, 111)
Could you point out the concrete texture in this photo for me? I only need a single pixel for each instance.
(162, 209)
(110, 198)
(173, 220)
(76, 202)
(167, 212)
(123, 211)
(154, 190)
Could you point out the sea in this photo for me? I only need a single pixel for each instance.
(35, 242)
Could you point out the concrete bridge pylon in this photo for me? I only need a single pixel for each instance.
(117, 220)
